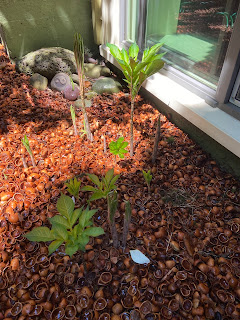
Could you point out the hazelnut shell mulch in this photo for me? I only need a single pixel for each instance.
(188, 225)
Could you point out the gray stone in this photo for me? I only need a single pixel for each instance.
(90, 94)
(38, 81)
(48, 62)
(78, 103)
(95, 71)
(60, 81)
(106, 85)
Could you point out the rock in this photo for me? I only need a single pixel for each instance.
(48, 62)
(70, 93)
(106, 85)
(38, 81)
(78, 103)
(90, 94)
(95, 71)
(60, 81)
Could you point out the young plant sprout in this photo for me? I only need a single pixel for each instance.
(79, 57)
(72, 83)
(106, 189)
(73, 115)
(66, 229)
(148, 178)
(26, 144)
(136, 72)
(73, 187)
(127, 219)
(118, 148)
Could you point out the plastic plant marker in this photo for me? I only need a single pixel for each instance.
(139, 257)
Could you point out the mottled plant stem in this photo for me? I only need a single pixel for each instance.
(131, 127)
(24, 162)
(156, 141)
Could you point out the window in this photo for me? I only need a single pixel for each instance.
(196, 36)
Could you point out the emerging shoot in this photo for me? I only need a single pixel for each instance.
(148, 178)
(26, 144)
(73, 115)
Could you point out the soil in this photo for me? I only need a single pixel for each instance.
(188, 226)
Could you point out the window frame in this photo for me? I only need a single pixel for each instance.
(231, 66)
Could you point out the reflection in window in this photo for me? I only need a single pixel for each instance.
(195, 34)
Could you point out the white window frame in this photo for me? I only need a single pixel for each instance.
(207, 109)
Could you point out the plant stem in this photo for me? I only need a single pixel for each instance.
(24, 162)
(131, 126)
(156, 141)
(112, 224)
(32, 159)
(83, 105)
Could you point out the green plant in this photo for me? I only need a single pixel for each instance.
(73, 187)
(170, 140)
(118, 147)
(148, 178)
(65, 228)
(73, 115)
(79, 57)
(136, 72)
(127, 219)
(26, 144)
(104, 187)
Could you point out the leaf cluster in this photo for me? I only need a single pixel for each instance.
(65, 228)
(118, 147)
(147, 176)
(103, 187)
(73, 187)
(136, 72)
(26, 144)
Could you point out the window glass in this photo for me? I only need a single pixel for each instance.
(195, 34)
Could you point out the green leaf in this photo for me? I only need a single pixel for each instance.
(109, 174)
(71, 249)
(114, 179)
(153, 67)
(94, 179)
(125, 55)
(58, 219)
(60, 231)
(94, 231)
(88, 188)
(97, 195)
(40, 234)
(65, 206)
(89, 213)
(85, 216)
(76, 214)
(133, 51)
(114, 50)
(54, 246)
(83, 240)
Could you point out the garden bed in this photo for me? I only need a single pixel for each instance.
(188, 225)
